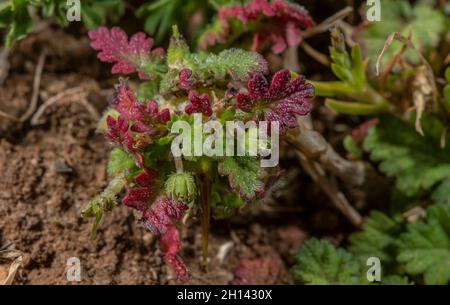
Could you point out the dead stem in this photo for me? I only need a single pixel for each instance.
(314, 146)
(327, 23)
(35, 94)
(317, 173)
(72, 91)
(36, 86)
(319, 57)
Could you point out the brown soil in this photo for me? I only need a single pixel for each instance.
(50, 171)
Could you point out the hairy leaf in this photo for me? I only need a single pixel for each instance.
(119, 161)
(243, 175)
(378, 238)
(238, 63)
(128, 56)
(418, 162)
(278, 102)
(319, 262)
(425, 247)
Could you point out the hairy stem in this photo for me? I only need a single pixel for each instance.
(205, 202)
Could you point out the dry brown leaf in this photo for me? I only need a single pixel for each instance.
(424, 82)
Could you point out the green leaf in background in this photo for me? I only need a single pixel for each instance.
(14, 14)
(243, 175)
(349, 68)
(21, 22)
(160, 15)
(319, 262)
(352, 147)
(425, 247)
(426, 24)
(418, 162)
(377, 238)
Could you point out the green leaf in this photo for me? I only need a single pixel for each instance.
(349, 68)
(319, 262)
(243, 175)
(441, 195)
(147, 90)
(418, 162)
(160, 15)
(119, 161)
(378, 238)
(5, 14)
(425, 247)
(238, 63)
(178, 53)
(22, 24)
(92, 16)
(352, 147)
(395, 280)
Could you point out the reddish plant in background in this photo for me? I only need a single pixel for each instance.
(275, 23)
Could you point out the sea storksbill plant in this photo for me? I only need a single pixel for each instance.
(176, 85)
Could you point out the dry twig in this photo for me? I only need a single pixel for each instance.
(35, 93)
(327, 23)
(313, 145)
(317, 173)
(36, 86)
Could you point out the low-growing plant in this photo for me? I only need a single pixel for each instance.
(192, 88)
(220, 83)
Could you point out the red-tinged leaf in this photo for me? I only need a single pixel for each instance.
(170, 244)
(262, 271)
(199, 103)
(159, 218)
(128, 56)
(161, 214)
(185, 82)
(139, 198)
(146, 116)
(281, 101)
(118, 132)
(125, 101)
(146, 178)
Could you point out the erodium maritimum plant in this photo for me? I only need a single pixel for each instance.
(168, 173)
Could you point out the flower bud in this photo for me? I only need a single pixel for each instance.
(181, 187)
